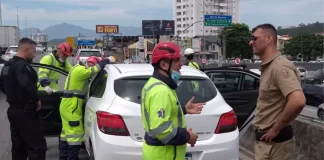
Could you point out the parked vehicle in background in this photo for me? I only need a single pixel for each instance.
(314, 78)
(320, 112)
(245, 61)
(10, 52)
(314, 94)
(302, 71)
(83, 54)
(258, 61)
(9, 36)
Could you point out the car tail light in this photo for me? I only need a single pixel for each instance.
(227, 123)
(78, 58)
(111, 124)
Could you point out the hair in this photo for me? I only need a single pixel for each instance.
(269, 28)
(26, 41)
(190, 57)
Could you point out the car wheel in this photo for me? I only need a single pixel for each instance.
(317, 102)
(92, 157)
(320, 114)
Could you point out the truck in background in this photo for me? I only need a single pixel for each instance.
(9, 36)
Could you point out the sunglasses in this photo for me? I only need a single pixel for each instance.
(254, 38)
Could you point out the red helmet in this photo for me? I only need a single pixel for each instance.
(65, 48)
(165, 50)
(93, 59)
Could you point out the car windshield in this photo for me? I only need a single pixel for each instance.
(131, 88)
(318, 73)
(12, 49)
(302, 70)
(90, 53)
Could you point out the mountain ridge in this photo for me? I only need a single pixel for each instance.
(63, 30)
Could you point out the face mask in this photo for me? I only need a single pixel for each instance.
(175, 76)
(61, 60)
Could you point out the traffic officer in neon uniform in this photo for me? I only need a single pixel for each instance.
(189, 54)
(71, 107)
(166, 136)
(49, 79)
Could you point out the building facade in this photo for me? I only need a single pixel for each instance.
(189, 15)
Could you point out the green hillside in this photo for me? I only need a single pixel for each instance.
(301, 29)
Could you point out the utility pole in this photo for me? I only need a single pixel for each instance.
(26, 27)
(17, 17)
(301, 48)
(204, 47)
(0, 13)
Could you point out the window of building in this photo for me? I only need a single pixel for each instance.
(179, 19)
(178, 7)
(178, 1)
(178, 13)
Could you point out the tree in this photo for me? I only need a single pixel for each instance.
(237, 41)
(301, 29)
(310, 45)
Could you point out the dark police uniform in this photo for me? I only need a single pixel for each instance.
(19, 82)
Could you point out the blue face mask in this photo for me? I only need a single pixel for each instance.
(175, 76)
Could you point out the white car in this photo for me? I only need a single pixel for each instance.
(112, 117)
(83, 54)
(302, 71)
(10, 52)
(320, 112)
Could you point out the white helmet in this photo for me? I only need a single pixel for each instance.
(188, 51)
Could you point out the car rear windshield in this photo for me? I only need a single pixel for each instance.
(12, 49)
(131, 88)
(90, 53)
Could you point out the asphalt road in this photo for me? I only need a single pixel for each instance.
(52, 142)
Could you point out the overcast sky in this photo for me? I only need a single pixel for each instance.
(88, 13)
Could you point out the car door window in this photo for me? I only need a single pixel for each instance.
(98, 85)
(225, 82)
(250, 83)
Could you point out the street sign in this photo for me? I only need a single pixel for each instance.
(204, 61)
(70, 41)
(218, 20)
(86, 41)
(237, 61)
(140, 43)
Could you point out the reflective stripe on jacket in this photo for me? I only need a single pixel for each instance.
(162, 117)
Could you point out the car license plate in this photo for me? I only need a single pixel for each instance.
(188, 156)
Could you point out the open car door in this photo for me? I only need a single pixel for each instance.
(240, 89)
(49, 112)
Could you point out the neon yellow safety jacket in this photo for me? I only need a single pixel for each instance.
(50, 78)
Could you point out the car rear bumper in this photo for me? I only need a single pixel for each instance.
(219, 146)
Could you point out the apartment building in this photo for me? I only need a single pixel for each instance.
(189, 15)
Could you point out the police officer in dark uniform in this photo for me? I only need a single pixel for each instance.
(19, 82)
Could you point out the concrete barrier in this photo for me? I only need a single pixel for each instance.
(309, 139)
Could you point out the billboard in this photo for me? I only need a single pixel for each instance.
(157, 27)
(107, 28)
(196, 44)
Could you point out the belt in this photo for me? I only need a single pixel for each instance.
(285, 134)
(72, 95)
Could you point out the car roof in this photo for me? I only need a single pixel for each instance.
(14, 46)
(86, 49)
(126, 70)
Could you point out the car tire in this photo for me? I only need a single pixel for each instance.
(320, 114)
